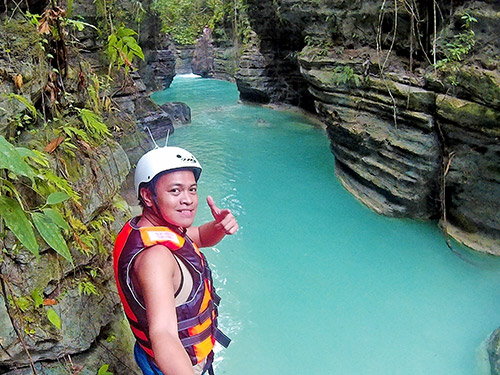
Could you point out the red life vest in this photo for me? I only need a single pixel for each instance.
(196, 318)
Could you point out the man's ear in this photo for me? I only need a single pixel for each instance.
(147, 196)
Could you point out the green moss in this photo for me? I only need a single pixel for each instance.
(20, 38)
(469, 114)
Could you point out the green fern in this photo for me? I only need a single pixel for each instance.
(94, 125)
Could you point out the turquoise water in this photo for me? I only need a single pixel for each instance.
(314, 282)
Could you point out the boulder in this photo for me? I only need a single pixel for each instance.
(494, 352)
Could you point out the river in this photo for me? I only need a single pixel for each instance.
(315, 283)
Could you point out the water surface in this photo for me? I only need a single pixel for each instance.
(314, 283)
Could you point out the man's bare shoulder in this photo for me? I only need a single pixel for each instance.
(155, 257)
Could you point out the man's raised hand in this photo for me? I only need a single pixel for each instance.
(225, 220)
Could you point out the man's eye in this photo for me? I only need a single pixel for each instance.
(174, 191)
(193, 189)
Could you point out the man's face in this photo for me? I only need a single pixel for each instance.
(177, 197)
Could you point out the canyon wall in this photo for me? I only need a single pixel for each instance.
(92, 332)
(411, 138)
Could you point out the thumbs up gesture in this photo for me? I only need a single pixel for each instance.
(225, 221)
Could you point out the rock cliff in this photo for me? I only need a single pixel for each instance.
(82, 294)
(410, 138)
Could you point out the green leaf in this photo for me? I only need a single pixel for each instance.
(112, 39)
(54, 318)
(34, 155)
(37, 298)
(121, 204)
(57, 197)
(11, 160)
(94, 124)
(56, 218)
(23, 303)
(24, 101)
(103, 370)
(125, 31)
(129, 41)
(18, 223)
(51, 234)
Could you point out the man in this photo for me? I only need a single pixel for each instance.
(163, 279)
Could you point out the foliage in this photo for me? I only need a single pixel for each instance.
(123, 48)
(185, 20)
(46, 218)
(182, 19)
(321, 46)
(461, 45)
(87, 287)
(54, 318)
(94, 125)
(103, 370)
(456, 50)
(39, 209)
(32, 308)
(345, 74)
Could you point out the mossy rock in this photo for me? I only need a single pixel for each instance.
(469, 115)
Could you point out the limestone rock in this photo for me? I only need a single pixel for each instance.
(23, 61)
(101, 177)
(494, 352)
(183, 58)
(203, 58)
(390, 167)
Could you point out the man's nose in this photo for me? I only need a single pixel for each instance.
(186, 197)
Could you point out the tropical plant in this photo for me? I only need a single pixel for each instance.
(345, 74)
(123, 48)
(103, 370)
(23, 169)
(456, 50)
(461, 45)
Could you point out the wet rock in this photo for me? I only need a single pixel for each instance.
(225, 62)
(111, 348)
(268, 71)
(472, 116)
(160, 119)
(494, 352)
(473, 183)
(80, 325)
(161, 67)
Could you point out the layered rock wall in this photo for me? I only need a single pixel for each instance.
(410, 140)
(268, 71)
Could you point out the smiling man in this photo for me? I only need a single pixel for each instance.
(163, 279)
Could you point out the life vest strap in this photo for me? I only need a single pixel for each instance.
(221, 338)
(196, 339)
(215, 297)
(196, 320)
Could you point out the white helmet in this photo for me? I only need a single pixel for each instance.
(162, 159)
